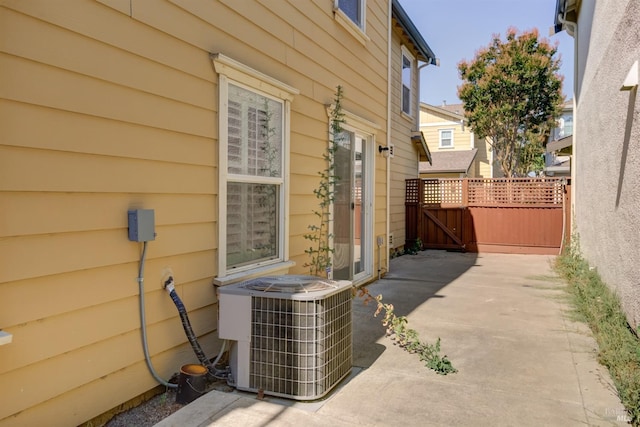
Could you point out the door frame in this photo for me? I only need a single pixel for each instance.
(367, 130)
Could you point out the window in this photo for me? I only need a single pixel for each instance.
(568, 126)
(407, 80)
(354, 9)
(253, 166)
(565, 127)
(446, 138)
(254, 176)
(559, 131)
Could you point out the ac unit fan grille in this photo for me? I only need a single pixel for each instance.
(300, 349)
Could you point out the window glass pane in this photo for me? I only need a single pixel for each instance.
(352, 8)
(254, 134)
(445, 138)
(406, 84)
(406, 71)
(406, 97)
(568, 126)
(252, 223)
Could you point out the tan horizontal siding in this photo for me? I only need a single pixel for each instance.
(91, 287)
(81, 133)
(303, 204)
(307, 149)
(39, 84)
(26, 213)
(195, 21)
(276, 22)
(81, 404)
(43, 381)
(481, 166)
(96, 21)
(405, 160)
(65, 252)
(111, 105)
(108, 63)
(80, 326)
(45, 170)
(308, 126)
(360, 97)
(318, 25)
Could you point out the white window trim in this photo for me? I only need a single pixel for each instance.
(440, 139)
(412, 59)
(239, 74)
(356, 121)
(359, 33)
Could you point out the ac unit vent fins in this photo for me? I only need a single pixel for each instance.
(300, 348)
(291, 334)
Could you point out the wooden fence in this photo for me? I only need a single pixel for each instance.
(509, 215)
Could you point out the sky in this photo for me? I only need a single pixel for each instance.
(456, 29)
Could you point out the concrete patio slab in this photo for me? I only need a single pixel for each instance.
(503, 321)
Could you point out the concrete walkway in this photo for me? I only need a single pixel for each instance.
(504, 324)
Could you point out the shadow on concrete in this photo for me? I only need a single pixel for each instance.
(412, 281)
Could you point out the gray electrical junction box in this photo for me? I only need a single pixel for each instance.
(142, 226)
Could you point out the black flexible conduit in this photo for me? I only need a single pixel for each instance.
(188, 330)
(193, 340)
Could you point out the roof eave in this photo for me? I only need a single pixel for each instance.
(418, 138)
(560, 6)
(424, 51)
(442, 111)
(565, 11)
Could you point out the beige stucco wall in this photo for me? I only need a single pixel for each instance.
(607, 147)
(111, 105)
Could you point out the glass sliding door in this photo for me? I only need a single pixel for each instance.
(351, 207)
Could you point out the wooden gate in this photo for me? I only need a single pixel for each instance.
(509, 215)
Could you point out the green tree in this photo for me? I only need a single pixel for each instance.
(512, 95)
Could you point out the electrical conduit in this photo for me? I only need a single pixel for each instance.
(143, 322)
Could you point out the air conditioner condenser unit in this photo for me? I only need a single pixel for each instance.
(292, 335)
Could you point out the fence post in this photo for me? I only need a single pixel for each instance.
(411, 207)
(465, 192)
(420, 214)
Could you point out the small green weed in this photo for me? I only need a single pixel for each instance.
(596, 305)
(413, 250)
(407, 338)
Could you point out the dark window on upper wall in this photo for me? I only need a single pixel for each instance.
(354, 10)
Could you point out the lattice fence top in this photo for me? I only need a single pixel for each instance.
(486, 192)
(443, 192)
(515, 191)
(412, 191)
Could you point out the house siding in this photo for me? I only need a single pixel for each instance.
(482, 163)
(112, 105)
(432, 122)
(606, 156)
(404, 164)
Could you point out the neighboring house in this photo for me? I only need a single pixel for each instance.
(214, 115)
(605, 164)
(559, 145)
(455, 150)
(409, 52)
